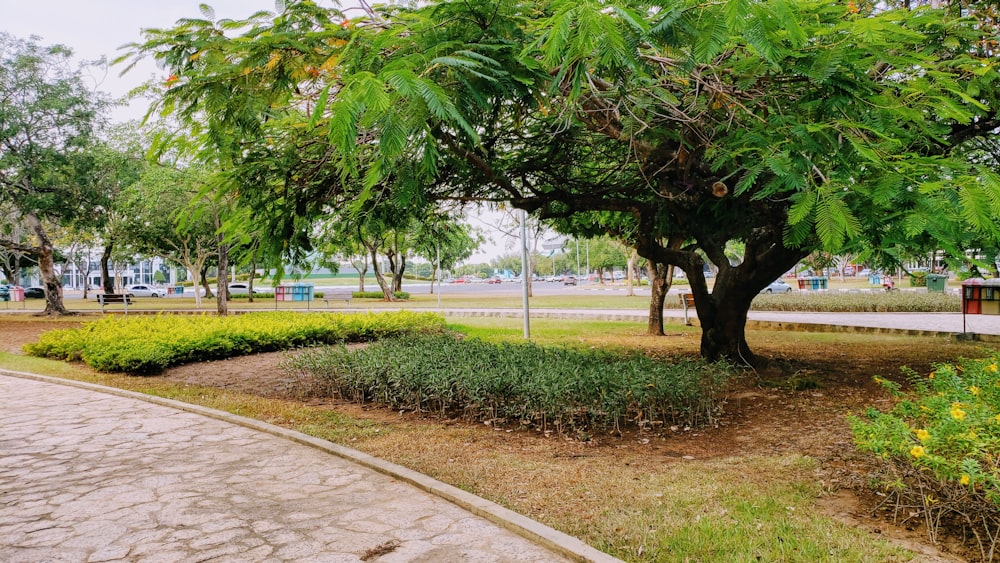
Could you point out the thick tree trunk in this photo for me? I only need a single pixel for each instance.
(107, 281)
(397, 276)
(630, 273)
(362, 270)
(222, 279)
(660, 277)
(47, 269)
(382, 283)
(204, 283)
(723, 334)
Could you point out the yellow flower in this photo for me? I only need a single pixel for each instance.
(923, 435)
(992, 367)
(964, 480)
(972, 435)
(956, 411)
(997, 418)
(974, 390)
(917, 451)
(931, 376)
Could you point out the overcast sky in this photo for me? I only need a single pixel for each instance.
(97, 28)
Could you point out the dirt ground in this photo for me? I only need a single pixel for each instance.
(796, 406)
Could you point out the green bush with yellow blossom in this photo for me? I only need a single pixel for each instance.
(939, 448)
(147, 344)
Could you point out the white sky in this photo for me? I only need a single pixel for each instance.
(97, 28)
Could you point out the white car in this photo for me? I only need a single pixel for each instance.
(142, 290)
(240, 288)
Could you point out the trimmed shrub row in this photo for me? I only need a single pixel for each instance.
(147, 345)
(874, 302)
(546, 387)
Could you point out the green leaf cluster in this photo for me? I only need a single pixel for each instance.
(146, 345)
(522, 383)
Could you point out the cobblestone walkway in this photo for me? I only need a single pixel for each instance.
(88, 477)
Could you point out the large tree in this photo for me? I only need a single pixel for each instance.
(169, 216)
(785, 126)
(48, 154)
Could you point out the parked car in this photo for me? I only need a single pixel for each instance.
(34, 292)
(494, 280)
(240, 288)
(777, 286)
(569, 280)
(142, 290)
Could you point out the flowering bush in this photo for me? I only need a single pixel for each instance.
(939, 447)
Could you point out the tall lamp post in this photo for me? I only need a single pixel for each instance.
(525, 274)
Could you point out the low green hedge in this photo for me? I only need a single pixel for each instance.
(867, 302)
(146, 345)
(547, 387)
(938, 448)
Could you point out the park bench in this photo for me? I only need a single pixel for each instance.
(687, 302)
(114, 299)
(337, 295)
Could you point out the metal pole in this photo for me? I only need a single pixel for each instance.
(525, 274)
(438, 247)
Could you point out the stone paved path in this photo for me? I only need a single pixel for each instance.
(88, 477)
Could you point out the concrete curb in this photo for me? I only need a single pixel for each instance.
(523, 526)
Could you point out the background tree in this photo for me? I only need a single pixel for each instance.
(443, 236)
(48, 123)
(163, 223)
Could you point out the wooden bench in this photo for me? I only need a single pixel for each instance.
(337, 295)
(114, 299)
(687, 301)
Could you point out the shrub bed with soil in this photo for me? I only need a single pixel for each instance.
(551, 388)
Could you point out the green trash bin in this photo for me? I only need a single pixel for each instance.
(936, 282)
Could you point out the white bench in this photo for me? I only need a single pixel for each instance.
(337, 295)
(114, 298)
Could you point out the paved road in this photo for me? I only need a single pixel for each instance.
(89, 476)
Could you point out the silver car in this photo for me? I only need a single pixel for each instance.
(777, 286)
(143, 290)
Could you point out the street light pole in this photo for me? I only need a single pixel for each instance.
(525, 279)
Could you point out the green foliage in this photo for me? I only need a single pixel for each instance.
(918, 279)
(557, 387)
(146, 345)
(938, 445)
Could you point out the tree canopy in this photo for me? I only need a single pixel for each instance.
(786, 126)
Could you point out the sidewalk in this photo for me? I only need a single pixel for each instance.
(94, 474)
(908, 323)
